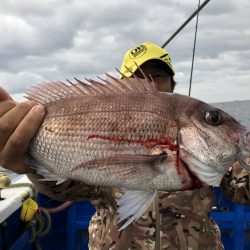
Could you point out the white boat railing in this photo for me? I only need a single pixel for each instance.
(12, 197)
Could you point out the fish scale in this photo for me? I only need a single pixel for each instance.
(97, 126)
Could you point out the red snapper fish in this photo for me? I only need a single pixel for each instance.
(126, 134)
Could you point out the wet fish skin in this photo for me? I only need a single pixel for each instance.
(109, 128)
(107, 135)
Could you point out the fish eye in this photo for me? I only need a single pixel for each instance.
(213, 117)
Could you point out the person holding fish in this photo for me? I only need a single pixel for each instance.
(145, 158)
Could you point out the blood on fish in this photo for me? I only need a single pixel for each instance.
(164, 142)
(149, 143)
(178, 161)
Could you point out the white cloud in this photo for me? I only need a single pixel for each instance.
(54, 40)
(16, 83)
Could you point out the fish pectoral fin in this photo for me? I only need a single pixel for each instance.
(45, 173)
(131, 165)
(132, 205)
(48, 176)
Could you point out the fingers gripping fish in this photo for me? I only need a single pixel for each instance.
(124, 133)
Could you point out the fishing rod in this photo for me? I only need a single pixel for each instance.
(192, 66)
(186, 22)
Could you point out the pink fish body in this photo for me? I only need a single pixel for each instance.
(126, 134)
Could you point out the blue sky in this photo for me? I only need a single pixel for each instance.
(58, 39)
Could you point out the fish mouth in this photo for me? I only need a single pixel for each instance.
(200, 173)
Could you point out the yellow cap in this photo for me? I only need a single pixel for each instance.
(142, 53)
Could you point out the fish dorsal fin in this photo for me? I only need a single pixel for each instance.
(55, 91)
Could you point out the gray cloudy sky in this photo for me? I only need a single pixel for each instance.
(58, 39)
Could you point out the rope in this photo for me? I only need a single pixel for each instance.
(185, 23)
(39, 226)
(33, 234)
(30, 185)
(60, 208)
(47, 222)
(31, 226)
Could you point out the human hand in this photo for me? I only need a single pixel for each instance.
(18, 124)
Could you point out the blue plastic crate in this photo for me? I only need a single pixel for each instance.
(79, 216)
(13, 234)
(70, 227)
(234, 222)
